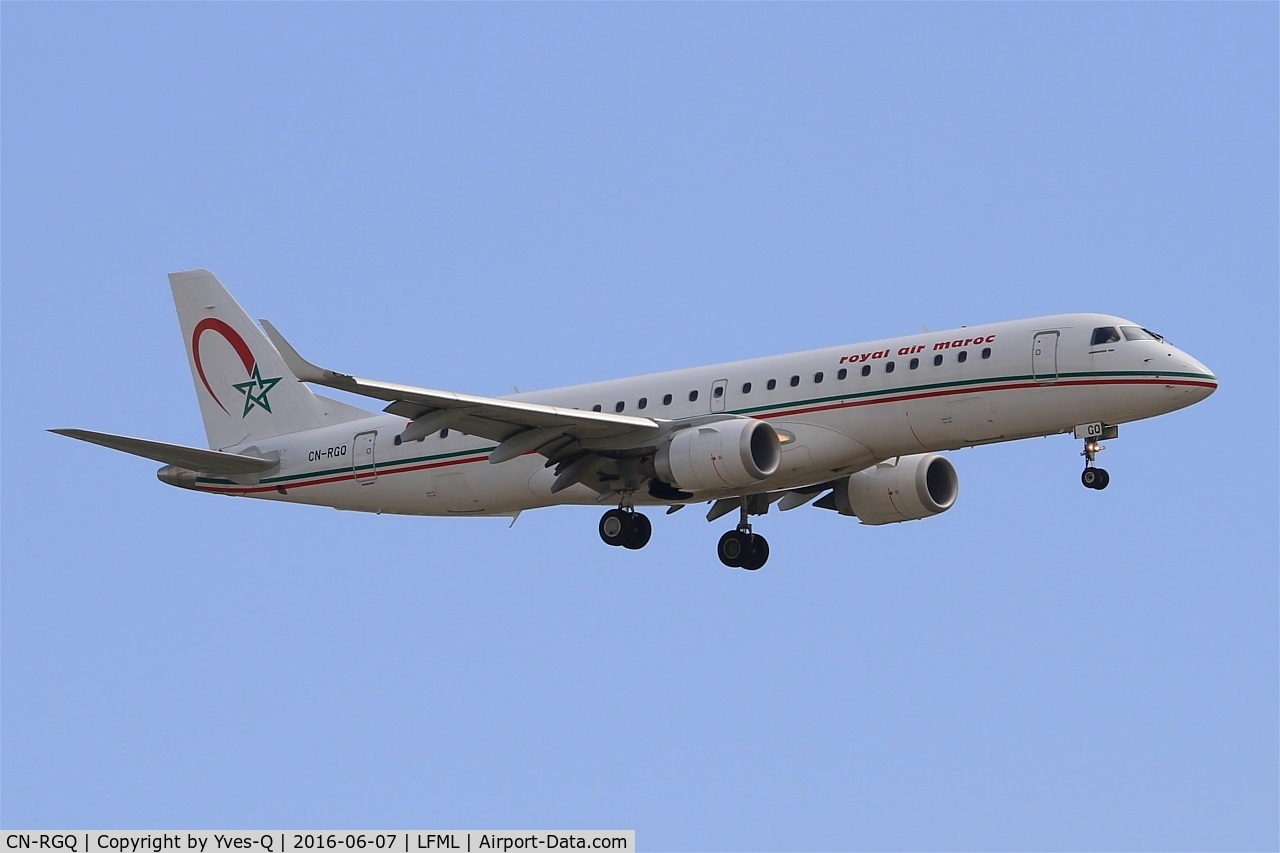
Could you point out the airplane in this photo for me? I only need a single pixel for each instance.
(856, 429)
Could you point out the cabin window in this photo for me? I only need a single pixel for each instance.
(693, 396)
(746, 387)
(841, 373)
(596, 407)
(444, 433)
(618, 406)
(717, 392)
(866, 370)
(1134, 333)
(1104, 335)
(817, 377)
(795, 380)
(644, 401)
(666, 400)
(937, 360)
(915, 362)
(963, 356)
(986, 352)
(773, 383)
(888, 367)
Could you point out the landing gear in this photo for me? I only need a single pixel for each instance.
(742, 549)
(1093, 477)
(625, 527)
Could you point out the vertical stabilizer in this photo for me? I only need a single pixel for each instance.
(246, 391)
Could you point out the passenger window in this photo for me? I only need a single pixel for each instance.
(937, 360)
(444, 433)
(773, 383)
(693, 395)
(746, 387)
(866, 370)
(986, 352)
(644, 401)
(963, 356)
(718, 392)
(915, 362)
(842, 373)
(888, 367)
(596, 407)
(1104, 335)
(817, 377)
(666, 399)
(618, 407)
(795, 380)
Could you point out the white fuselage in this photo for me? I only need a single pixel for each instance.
(838, 411)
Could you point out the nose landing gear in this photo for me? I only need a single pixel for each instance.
(1093, 477)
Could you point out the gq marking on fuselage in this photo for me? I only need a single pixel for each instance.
(327, 453)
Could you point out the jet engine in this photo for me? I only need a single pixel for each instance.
(905, 489)
(727, 453)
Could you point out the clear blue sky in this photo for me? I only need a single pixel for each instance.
(478, 196)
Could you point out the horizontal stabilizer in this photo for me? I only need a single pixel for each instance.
(191, 458)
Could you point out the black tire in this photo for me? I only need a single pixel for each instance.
(615, 527)
(1090, 478)
(1103, 479)
(638, 532)
(758, 555)
(732, 548)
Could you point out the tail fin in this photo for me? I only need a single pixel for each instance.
(245, 389)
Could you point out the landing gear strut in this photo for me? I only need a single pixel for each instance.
(742, 549)
(625, 527)
(1093, 477)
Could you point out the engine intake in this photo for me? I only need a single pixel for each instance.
(728, 453)
(910, 488)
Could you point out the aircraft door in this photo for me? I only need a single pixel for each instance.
(718, 392)
(362, 461)
(1044, 357)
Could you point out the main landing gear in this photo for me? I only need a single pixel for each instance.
(742, 549)
(1093, 477)
(626, 527)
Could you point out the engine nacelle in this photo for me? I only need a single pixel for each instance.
(728, 453)
(912, 487)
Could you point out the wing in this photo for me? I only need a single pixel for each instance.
(562, 435)
(191, 458)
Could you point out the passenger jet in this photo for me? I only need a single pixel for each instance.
(855, 429)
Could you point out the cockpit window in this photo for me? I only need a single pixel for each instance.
(1104, 335)
(1134, 333)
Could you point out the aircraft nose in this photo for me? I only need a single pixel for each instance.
(1205, 378)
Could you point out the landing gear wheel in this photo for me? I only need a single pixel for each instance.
(1095, 478)
(759, 554)
(733, 547)
(614, 527)
(638, 532)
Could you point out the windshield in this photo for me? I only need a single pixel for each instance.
(1104, 335)
(1135, 333)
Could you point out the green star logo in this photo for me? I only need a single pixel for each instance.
(252, 399)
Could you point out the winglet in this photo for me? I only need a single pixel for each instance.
(303, 369)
